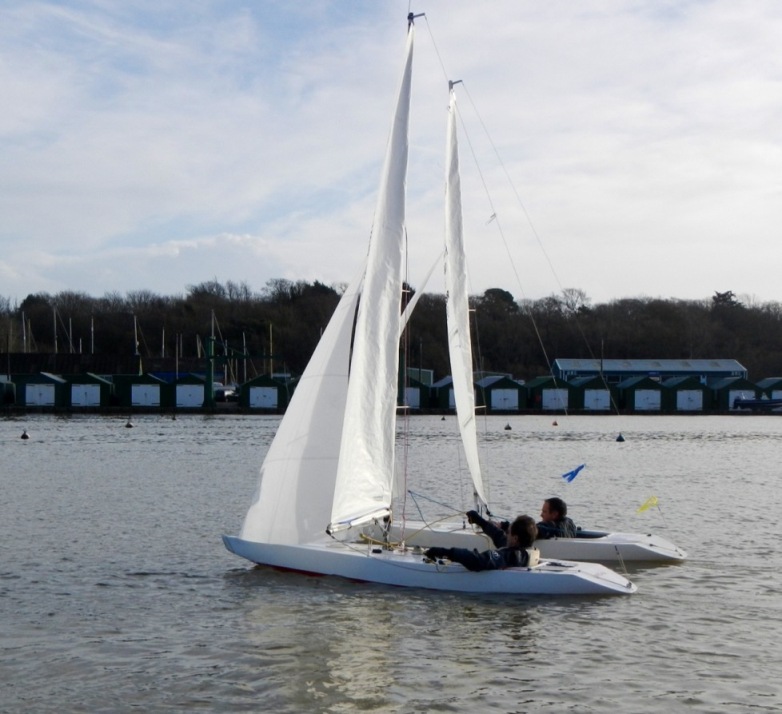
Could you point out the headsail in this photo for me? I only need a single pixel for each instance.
(366, 465)
(457, 307)
(293, 502)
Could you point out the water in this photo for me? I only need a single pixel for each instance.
(117, 595)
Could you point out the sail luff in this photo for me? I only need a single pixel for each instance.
(366, 467)
(457, 308)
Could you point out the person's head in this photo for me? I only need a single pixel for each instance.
(554, 509)
(523, 532)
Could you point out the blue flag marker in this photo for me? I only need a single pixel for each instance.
(570, 475)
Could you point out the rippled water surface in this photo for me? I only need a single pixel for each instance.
(116, 593)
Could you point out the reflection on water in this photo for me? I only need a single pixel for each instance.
(369, 646)
(116, 592)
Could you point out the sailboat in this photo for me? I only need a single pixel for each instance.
(329, 473)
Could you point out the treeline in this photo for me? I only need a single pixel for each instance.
(285, 319)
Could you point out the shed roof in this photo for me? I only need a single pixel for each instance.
(41, 376)
(547, 379)
(264, 380)
(739, 382)
(500, 380)
(191, 378)
(684, 380)
(639, 381)
(488, 381)
(86, 378)
(703, 366)
(587, 379)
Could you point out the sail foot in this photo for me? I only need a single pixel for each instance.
(360, 520)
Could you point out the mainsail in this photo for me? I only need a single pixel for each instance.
(457, 307)
(365, 475)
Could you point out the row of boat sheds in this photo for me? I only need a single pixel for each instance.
(588, 386)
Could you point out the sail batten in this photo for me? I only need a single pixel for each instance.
(457, 307)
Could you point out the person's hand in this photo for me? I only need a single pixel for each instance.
(435, 553)
(472, 516)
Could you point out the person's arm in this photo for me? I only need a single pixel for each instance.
(494, 532)
(470, 559)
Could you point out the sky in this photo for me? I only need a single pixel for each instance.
(624, 148)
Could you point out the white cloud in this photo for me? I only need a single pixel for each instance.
(160, 145)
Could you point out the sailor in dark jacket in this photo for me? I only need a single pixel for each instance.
(554, 522)
(521, 535)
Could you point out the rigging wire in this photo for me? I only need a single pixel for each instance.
(495, 218)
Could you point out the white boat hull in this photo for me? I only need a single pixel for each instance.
(593, 546)
(408, 568)
(613, 547)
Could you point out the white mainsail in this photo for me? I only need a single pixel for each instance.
(457, 307)
(365, 476)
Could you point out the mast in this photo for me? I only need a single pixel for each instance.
(209, 387)
(244, 352)
(271, 351)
